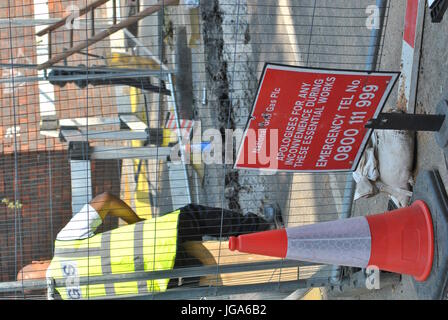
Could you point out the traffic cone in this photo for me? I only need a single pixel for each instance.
(400, 241)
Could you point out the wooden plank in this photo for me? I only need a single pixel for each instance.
(214, 252)
(313, 294)
(73, 135)
(89, 121)
(133, 122)
(81, 184)
(120, 152)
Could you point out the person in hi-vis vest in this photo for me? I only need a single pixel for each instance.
(141, 245)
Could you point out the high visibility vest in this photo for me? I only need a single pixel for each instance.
(149, 245)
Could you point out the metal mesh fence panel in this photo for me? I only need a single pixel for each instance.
(92, 97)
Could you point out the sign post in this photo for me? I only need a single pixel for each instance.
(312, 120)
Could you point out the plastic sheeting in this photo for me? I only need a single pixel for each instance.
(387, 166)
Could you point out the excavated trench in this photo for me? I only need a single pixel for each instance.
(218, 81)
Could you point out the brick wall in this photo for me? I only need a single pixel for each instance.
(43, 191)
(27, 234)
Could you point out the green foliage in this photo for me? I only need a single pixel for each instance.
(12, 204)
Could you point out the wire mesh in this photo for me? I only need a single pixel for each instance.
(215, 52)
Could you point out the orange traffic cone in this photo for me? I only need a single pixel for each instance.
(400, 241)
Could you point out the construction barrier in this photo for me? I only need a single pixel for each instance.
(400, 241)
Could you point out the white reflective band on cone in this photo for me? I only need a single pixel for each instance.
(344, 242)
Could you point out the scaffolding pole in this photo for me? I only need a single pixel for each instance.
(286, 287)
(110, 76)
(105, 33)
(155, 275)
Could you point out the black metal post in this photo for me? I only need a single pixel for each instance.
(404, 121)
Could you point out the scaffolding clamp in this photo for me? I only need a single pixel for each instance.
(79, 150)
(69, 133)
(155, 136)
(50, 122)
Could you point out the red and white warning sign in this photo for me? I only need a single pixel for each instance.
(312, 120)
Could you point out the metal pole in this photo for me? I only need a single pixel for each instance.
(101, 23)
(115, 135)
(406, 121)
(128, 75)
(27, 22)
(68, 68)
(179, 133)
(154, 275)
(22, 285)
(286, 286)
